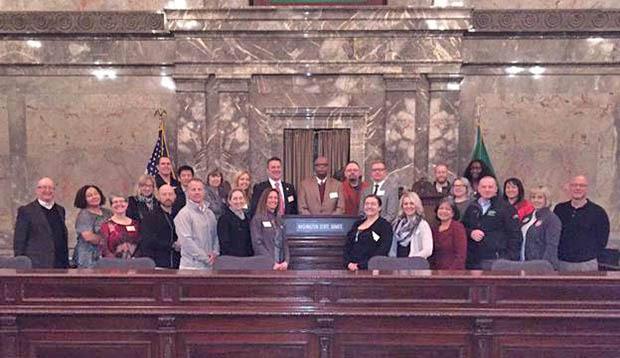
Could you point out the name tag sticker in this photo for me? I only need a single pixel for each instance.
(375, 236)
(131, 228)
(266, 223)
(380, 192)
(333, 195)
(291, 198)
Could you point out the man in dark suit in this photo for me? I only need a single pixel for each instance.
(40, 230)
(159, 238)
(185, 175)
(164, 173)
(288, 196)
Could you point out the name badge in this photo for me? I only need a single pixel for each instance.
(266, 223)
(131, 228)
(290, 198)
(380, 192)
(333, 195)
(375, 236)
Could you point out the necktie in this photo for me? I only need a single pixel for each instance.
(376, 189)
(322, 191)
(281, 209)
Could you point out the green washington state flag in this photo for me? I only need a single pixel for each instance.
(480, 151)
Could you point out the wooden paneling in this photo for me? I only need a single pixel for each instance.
(168, 314)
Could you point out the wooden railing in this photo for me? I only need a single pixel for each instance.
(307, 314)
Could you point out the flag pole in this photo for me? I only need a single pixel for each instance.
(161, 114)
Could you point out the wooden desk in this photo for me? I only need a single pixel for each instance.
(307, 314)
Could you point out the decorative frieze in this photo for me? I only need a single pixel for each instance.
(546, 20)
(96, 22)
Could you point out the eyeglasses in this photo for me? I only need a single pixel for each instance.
(377, 169)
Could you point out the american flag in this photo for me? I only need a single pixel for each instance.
(160, 150)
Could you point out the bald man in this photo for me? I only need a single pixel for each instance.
(493, 228)
(321, 194)
(40, 230)
(585, 229)
(159, 237)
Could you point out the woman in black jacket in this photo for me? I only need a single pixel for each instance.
(370, 236)
(233, 227)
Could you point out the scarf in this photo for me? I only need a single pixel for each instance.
(147, 200)
(404, 229)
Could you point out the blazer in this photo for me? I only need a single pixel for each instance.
(264, 229)
(310, 201)
(158, 236)
(33, 236)
(290, 197)
(388, 192)
(543, 237)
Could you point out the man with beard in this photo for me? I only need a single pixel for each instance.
(159, 238)
(320, 195)
(442, 184)
(352, 187)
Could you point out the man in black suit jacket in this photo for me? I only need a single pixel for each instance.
(159, 237)
(185, 173)
(288, 196)
(40, 230)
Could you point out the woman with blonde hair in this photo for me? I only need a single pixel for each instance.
(461, 194)
(412, 235)
(541, 229)
(243, 181)
(144, 201)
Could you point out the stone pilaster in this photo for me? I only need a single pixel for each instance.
(444, 121)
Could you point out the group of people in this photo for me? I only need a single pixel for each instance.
(184, 222)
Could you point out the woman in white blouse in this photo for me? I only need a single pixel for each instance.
(412, 235)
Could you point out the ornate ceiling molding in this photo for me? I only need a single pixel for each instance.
(95, 22)
(546, 21)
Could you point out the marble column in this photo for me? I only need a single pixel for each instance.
(444, 121)
(21, 185)
(229, 132)
(191, 138)
(400, 127)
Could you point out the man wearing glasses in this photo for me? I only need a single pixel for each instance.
(321, 194)
(384, 188)
(585, 229)
(40, 230)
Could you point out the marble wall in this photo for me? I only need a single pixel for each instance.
(78, 90)
(77, 130)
